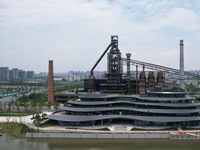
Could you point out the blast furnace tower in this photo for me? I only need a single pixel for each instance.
(114, 70)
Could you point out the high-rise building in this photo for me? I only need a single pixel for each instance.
(22, 74)
(4, 74)
(29, 74)
(42, 74)
(14, 74)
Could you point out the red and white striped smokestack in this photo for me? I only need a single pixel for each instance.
(50, 83)
(181, 73)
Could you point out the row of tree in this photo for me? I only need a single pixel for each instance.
(37, 100)
(30, 104)
(192, 88)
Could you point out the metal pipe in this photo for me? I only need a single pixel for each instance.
(137, 91)
(91, 72)
(166, 69)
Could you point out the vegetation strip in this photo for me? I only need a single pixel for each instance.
(15, 129)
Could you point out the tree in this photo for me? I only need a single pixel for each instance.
(37, 117)
(33, 107)
(44, 115)
(1, 108)
(41, 105)
(17, 106)
(192, 88)
(56, 104)
(8, 119)
(9, 106)
(26, 108)
(23, 99)
(49, 105)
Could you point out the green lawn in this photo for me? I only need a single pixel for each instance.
(13, 114)
(14, 129)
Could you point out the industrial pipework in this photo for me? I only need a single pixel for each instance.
(113, 44)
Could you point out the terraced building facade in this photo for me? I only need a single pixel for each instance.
(158, 108)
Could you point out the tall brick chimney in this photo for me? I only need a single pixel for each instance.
(50, 83)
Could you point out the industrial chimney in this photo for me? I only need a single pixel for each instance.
(128, 55)
(50, 83)
(181, 73)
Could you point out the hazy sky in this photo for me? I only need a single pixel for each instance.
(74, 33)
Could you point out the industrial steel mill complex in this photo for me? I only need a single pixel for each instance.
(131, 98)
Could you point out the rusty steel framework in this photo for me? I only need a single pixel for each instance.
(114, 69)
(117, 82)
(162, 68)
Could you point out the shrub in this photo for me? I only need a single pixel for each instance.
(44, 115)
(37, 116)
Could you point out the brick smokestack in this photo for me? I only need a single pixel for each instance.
(50, 83)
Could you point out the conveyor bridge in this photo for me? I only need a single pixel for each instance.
(161, 68)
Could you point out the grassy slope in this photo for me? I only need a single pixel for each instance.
(14, 129)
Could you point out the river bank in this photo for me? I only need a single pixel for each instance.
(8, 143)
(16, 126)
(24, 127)
(15, 129)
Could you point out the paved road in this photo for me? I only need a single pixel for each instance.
(6, 99)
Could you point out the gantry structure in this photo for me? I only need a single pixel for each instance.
(159, 67)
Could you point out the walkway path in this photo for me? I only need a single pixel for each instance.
(21, 119)
(114, 128)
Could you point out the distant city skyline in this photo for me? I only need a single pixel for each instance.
(15, 74)
(74, 33)
(72, 72)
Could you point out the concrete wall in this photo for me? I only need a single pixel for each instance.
(100, 135)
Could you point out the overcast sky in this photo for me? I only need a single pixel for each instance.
(74, 33)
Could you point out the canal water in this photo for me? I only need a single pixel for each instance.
(11, 143)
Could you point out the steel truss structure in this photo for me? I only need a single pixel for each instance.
(161, 68)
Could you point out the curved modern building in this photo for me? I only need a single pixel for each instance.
(159, 107)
